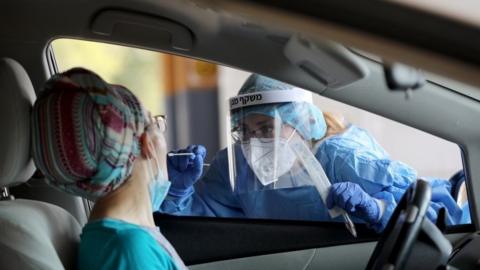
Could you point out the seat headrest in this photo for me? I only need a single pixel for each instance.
(37, 235)
(16, 100)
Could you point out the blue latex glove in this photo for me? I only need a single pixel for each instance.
(184, 171)
(354, 200)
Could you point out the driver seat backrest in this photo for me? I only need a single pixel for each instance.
(33, 234)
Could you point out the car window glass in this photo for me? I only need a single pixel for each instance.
(246, 164)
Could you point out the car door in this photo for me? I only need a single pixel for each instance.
(208, 242)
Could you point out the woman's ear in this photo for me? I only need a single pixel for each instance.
(146, 146)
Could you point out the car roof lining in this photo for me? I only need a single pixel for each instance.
(207, 24)
(237, 34)
(206, 19)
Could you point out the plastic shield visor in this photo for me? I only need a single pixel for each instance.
(273, 146)
(263, 128)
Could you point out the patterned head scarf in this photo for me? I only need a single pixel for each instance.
(305, 117)
(86, 133)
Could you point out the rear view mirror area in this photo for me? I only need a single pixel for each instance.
(331, 65)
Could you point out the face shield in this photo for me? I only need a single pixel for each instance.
(263, 128)
(274, 137)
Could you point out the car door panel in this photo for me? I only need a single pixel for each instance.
(219, 239)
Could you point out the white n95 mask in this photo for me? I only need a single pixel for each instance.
(269, 159)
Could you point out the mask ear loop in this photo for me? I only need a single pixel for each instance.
(291, 135)
(155, 159)
(150, 171)
(147, 152)
(149, 158)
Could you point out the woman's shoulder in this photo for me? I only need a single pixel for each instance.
(351, 133)
(116, 231)
(127, 244)
(141, 244)
(354, 140)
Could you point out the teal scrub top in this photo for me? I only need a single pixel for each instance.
(114, 244)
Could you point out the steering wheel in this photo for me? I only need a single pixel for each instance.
(396, 243)
(456, 181)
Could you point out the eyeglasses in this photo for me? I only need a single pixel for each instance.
(243, 134)
(264, 134)
(160, 121)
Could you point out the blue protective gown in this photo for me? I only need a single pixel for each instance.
(350, 156)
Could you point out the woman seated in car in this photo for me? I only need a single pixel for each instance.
(95, 140)
(282, 145)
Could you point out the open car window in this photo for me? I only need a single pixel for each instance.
(250, 169)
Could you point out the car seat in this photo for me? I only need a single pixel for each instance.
(33, 234)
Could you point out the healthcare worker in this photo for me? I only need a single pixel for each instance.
(281, 145)
(95, 140)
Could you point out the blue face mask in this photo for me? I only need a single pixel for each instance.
(158, 187)
(158, 191)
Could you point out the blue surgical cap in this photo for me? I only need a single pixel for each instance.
(305, 117)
